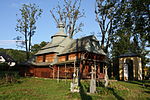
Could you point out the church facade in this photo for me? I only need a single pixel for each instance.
(63, 56)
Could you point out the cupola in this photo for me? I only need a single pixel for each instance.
(60, 35)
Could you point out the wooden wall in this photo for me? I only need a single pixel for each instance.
(49, 72)
(49, 58)
(61, 58)
(64, 72)
(45, 58)
(72, 57)
(68, 72)
(39, 59)
(42, 72)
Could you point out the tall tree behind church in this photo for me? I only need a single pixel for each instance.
(131, 22)
(26, 24)
(105, 12)
(69, 12)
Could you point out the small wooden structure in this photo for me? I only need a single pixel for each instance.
(58, 57)
(130, 67)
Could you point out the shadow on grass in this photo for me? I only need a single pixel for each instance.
(141, 83)
(115, 94)
(147, 92)
(112, 91)
(136, 82)
(4, 97)
(83, 94)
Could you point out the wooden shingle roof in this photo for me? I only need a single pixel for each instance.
(88, 43)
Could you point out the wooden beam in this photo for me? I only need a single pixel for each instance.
(58, 75)
(65, 73)
(53, 73)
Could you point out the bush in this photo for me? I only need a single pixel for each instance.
(9, 76)
(86, 86)
(3, 66)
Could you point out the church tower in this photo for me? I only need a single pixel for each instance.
(60, 35)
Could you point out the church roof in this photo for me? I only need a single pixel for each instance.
(57, 43)
(54, 48)
(68, 45)
(88, 43)
(60, 33)
(129, 54)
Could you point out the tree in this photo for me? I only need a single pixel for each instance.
(130, 28)
(36, 47)
(26, 24)
(17, 55)
(104, 10)
(69, 13)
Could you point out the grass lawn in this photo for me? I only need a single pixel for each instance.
(48, 89)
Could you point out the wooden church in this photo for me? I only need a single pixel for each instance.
(63, 55)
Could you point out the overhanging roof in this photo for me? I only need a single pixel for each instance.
(129, 54)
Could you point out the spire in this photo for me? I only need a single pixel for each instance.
(61, 27)
(60, 35)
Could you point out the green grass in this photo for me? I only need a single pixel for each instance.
(48, 89)
(34, 89)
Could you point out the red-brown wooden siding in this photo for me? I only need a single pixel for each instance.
(85, 68)
(39, 59)
(49, 58)
(63, 72)
(61, 58)
(72, 57)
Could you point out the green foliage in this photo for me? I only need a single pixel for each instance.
(3, 66)
(36, 47)
(130, 28)
(15, 74)
(17, 55)
(105, 12)
(86, 86)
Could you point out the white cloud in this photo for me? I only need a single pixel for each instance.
(5, 42)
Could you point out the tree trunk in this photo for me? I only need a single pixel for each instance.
(30, 36)
(26, 45)
(103, 40)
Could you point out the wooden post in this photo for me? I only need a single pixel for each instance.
(53, 73)
(95, 69)
(58, 75)
(65, 74)
(77, 77)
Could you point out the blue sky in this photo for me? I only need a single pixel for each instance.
(46, 26)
